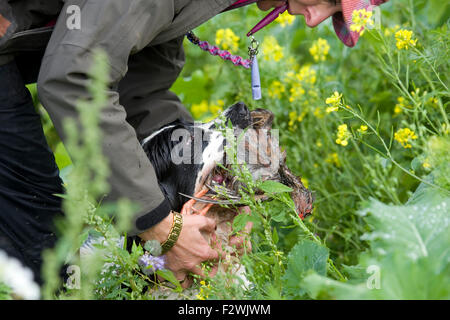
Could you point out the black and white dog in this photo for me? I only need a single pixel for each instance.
(184, 154)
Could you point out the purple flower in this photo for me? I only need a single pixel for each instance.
(150, 264)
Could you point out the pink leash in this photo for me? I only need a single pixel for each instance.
(253, 50)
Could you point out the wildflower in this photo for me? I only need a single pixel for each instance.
(307, 75)
(343, 135)
(333, 158)
(404, 39)
(227, 39)
(199, 109)
(426, 164)
(150, 264)
(319, 50)
(276, 89)
(203, 295)
(319, 143)
(289, 77)
(389, 31)
(305, 182)
(361, 19)
(296, 91)
(362, 129)
(404, 136)
(318, 113)
(433, 101)
(334, 101)
(271, 49)
(401, 104)
(285, 19)
(294, 117)
(331, 109)
(216, 107)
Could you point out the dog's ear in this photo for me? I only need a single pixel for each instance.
(262, 119)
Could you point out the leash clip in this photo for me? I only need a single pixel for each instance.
(253, 51)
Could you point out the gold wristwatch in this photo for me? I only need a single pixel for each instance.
(174, 232)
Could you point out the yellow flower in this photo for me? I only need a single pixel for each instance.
(307, 75)
(285, 19)
(199, 109)
(227, 39)
(333, 158)
(294, 117)
(334, 101)
(362, 129)
(433, 101)
(401, 104)
(319, 143)
(217, 107)
(319, 50)
(426, 164)
(361, 19)
(276, 89)
(305, 182)
(343, 135)
(389, 31)
(271, 49)
(331, 109)
(318, 113)
(296, 91)
(404, 136)
(203, 295)
(404, 39)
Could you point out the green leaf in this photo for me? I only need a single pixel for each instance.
(153, 247)
(275, 235)
(169, 276)
(270, 186)
(409, 248)
(240, 221)
(305, 256)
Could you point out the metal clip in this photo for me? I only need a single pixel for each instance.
(253, 49)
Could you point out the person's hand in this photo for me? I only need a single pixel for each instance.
(191, 248)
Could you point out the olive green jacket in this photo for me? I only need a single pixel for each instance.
(143, 39)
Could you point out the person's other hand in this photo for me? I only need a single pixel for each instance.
(191, 248)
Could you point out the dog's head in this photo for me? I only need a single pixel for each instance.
(186, 156)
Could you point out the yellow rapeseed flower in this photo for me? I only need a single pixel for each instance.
(426, 164)
(318, 113)
(401, 105)
(203, 294)
(276, 89)
(227, 39)
(362, 129)
(319, 50)
(294, 117)
(217, 107)
(271, 49)
(389, 31)
(333, 158)
(361, 19)
(285, 19)
(404, 39)
(307, 75)
(343, 135)
(199, 109)
(296, 91)
(404, 136)
(334, 101)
